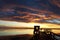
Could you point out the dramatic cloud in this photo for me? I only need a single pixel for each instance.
(26, 14)
(55, 2)
(57, 21)
(39, 11)
(14, 24)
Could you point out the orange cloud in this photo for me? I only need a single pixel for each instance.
(27, 16)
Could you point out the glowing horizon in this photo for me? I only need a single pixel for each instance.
(27, 25)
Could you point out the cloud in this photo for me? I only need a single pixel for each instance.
(55, 2)
(23, 13)
(14, 24)
(57, 21)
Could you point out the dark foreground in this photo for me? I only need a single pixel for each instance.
(42, 36)
(16, 37)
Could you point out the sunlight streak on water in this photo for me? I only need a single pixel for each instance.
(20, 31)
(15, 31)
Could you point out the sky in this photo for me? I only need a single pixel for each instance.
(18, 13)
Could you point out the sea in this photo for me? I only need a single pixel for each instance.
(5, 32)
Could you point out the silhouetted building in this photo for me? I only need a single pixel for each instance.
(36, 33)
(36, 30)
(46, 34)
(47, 31)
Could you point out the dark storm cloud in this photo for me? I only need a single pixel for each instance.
(30, 10)
(50, 5)
(25, 14)
(55, 2)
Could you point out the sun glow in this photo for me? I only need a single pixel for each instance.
(37, 24)
(19, 24)
(27, 25)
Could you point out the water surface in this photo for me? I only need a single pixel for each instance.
(4, 32)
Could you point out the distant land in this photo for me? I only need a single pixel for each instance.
(5, 27)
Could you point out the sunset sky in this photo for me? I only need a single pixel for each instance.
(27, 13)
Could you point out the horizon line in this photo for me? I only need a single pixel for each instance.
(26, 28)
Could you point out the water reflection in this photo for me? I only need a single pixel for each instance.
(20, 31)
(15, 31)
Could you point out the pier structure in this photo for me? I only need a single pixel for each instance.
(36, 32)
